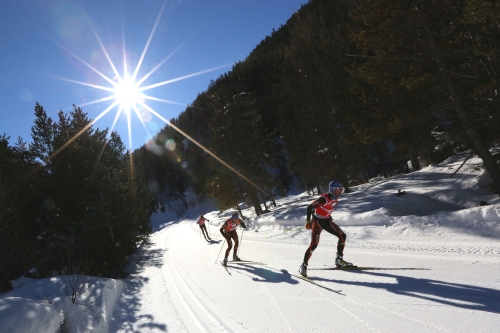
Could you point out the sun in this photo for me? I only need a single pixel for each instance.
(128, 90)
(127, 94)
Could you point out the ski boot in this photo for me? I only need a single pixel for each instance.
(236, 258)
(303, 269)
(224, 262)
(341, 263)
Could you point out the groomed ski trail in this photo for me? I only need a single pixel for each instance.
(199, 296)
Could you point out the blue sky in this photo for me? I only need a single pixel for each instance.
(50, 54)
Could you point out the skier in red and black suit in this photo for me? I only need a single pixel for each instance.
(322, 219)
(228, 230)
(203, 227)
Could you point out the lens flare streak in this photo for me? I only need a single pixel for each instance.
(204, 148)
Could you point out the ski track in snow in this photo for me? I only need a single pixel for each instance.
(406, 247)
(197, 295)
(146, 305)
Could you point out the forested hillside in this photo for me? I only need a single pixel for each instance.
(346, 90)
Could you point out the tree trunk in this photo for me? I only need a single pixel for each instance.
(404, 164)
(302, 180)
(308, 154)
(264, 201)
(239, 210)
(480, 148)
(255, 202)
(345, 182)
(414, 162)
(110, 228)
(343, 176)
(461, 165)
(317, 184)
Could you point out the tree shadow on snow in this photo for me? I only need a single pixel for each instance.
(453, 294)
(127, 317)
(160, 226)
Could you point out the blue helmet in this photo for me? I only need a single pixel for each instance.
(235, 216)
(334, 185)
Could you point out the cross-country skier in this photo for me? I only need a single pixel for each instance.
(203, 227)
(322, 219)
(228, 230)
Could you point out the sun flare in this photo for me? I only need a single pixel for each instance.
(129, 90)
(127, 94)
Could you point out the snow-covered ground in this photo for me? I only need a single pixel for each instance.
(436, 252)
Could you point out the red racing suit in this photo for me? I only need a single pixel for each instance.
(201, 221)
(203, 227)
(323, 208)
(228, 230)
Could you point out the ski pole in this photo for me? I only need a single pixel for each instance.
(220, 250)
(241, 241)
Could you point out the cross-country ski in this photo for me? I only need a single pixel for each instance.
(247, 262)
(356, 268)
(307, 279)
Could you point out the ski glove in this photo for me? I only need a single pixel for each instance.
(308, 224)
(243, 225)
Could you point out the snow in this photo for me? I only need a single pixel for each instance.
(19, 314)
(48, 304)
(437, 255)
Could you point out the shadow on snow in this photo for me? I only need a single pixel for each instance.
(126, 317)
(263, 274)
(453, 294)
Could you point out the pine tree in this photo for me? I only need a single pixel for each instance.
(239, 138)
(99, 203)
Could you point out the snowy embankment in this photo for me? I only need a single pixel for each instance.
(435, 256)
(45, 305)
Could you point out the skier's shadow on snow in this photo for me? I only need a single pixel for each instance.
(454, 294)
(262, 274)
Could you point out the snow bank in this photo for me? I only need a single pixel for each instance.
(47, 303)
(20, 315)
(381, 216)
(479, 221)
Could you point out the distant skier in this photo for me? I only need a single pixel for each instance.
(228, 230)
(322, 219)
(203, 227)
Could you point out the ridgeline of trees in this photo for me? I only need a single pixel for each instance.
(77, 208)
(345, 90)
